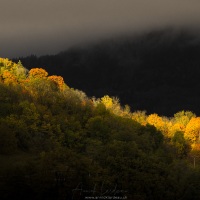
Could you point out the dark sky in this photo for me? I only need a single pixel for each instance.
(49, 26)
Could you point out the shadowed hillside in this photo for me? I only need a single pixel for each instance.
(57, 143)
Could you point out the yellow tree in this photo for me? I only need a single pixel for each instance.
(11, 72)
(179, 122)
(173, 128)
(158, 122)
(5, 63)
(7, 71)
(140, 117)
(112, 104)
(192, 131)
(107, 101)
(183, 117)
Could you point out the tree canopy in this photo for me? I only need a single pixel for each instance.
(54, 140)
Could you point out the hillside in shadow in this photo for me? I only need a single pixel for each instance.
(57, 143)
(157, 71)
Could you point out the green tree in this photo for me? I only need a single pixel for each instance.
(181, 144)
(8, 141)
(97, 127)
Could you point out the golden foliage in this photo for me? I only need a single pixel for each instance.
(175, 128)
(107, 101)
(155, 120)
(58, 80)
(158, 122)
(6, 63)
(9, 78)
(38, 73)
(140, 117)
(192, 130)
(196, 147)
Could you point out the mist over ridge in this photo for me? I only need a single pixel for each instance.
(47, 27)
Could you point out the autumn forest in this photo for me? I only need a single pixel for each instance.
(57, 143)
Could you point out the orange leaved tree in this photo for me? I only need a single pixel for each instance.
(58, 80)
(38, 73)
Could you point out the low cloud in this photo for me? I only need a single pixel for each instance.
(49, 26)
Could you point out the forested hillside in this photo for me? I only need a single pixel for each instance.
(158, 71)
(56, 143)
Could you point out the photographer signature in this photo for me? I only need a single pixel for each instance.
(79, 190)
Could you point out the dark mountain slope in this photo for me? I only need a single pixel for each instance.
(158, 71)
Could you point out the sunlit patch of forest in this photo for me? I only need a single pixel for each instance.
(57, 143)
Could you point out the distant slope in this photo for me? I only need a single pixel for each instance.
(158, 71)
